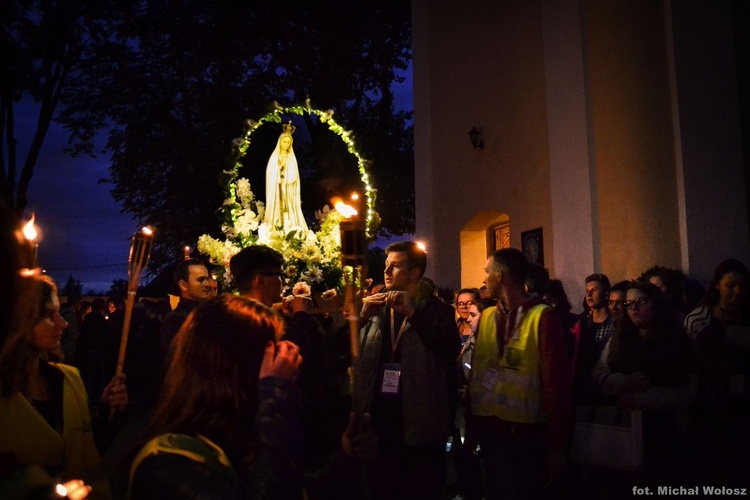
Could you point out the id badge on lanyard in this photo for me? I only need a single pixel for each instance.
(392, 371)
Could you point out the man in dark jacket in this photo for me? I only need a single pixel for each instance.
(409, 343)
(191, 278)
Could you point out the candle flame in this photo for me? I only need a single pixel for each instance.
(29, 230)
(147, 231)
(422, 246)
(343, 208)
(355, 196)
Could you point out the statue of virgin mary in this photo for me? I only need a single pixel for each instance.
(283, 204)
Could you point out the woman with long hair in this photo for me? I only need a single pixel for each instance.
(44, 411)
(647, 364)
(228, 421)
(720, 330)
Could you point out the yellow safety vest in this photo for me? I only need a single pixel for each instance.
(25, 434)
(510, 387)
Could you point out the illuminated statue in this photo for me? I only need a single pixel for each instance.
(283, 205)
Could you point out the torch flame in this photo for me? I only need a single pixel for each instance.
(29, 230)
(343, 208)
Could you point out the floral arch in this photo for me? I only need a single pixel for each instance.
(312, 257)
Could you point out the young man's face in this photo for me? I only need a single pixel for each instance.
(492, 278)
(196, 287)
(271, 284)
(596, 298)
(617, 304)
(397, 274)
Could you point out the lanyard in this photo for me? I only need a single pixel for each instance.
(508, 332)
(466, 346)
(396, 338)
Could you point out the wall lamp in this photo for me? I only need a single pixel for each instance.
(476, 138)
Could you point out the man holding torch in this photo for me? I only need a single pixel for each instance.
(408, 346)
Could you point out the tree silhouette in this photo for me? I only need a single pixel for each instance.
(170, 84)
(173, 87)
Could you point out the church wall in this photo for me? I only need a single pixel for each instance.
(485, 69)
(716, 214)
(615, 121)
(633, 139)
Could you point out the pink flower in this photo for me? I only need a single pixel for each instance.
(301, 289)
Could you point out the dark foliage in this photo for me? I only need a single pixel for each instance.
(172, 84)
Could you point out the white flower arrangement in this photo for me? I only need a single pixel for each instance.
(313, 258)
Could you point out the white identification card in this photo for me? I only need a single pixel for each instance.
(490, 378)
(391, 376)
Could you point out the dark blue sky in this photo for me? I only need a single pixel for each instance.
(84, 235)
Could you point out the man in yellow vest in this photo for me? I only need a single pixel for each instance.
(519, 386)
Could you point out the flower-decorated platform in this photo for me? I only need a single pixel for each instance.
(313, 256)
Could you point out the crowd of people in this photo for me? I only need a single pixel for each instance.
(258, 395)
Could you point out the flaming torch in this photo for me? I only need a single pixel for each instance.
(30, 234)
(354, 261)
(140, 250)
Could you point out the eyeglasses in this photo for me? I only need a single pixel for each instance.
(629, 304)
(465, 304)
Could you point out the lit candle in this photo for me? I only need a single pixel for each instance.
(186, 252)
(30, 233)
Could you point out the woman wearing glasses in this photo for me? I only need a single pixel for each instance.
(647, 364)
(466, 298)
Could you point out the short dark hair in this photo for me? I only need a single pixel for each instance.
(601, 278)
(182, 271)
(473, 291)
(251, 261)
(513, 262)
(537, 279)
(621, 286)
(415, 256)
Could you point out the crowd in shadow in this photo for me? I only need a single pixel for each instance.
(467, 395)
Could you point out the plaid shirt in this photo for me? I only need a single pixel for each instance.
(604, 330)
